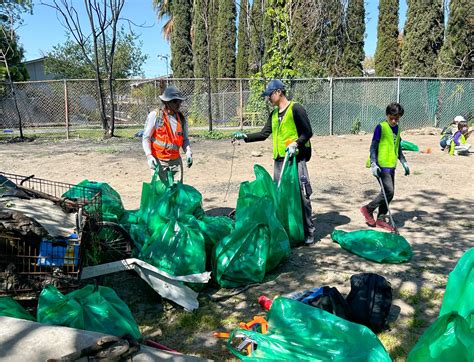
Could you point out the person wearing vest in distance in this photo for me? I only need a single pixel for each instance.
(385, 151)
(291, 131)
(459, 146)
(165, 132)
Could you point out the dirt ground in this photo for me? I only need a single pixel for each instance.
(433, 208)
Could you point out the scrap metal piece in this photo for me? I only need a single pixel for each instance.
(168, 286)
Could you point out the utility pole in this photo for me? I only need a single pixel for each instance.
(166, 57)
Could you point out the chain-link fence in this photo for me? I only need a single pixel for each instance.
(334, 105)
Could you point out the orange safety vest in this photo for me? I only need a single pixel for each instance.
(165, 143)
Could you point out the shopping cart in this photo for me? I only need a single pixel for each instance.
(28, 261)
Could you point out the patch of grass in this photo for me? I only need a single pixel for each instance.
(107, 150)
(417, 173)
(398, 345)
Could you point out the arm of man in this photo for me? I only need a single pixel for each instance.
(303, 125)
(263, 134)
(148, 132)
(374, 146)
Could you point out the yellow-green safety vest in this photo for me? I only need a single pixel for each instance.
(387, 154)
(284, 132)
(462, 140)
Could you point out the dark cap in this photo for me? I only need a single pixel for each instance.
(273, 86)
(170, 93)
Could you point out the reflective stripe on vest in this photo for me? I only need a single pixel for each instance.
(387, 154)
(284, 132)
(165, 143)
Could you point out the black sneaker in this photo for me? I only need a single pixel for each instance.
(309, 240)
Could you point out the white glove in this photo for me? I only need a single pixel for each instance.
(189, 156)
(375, 169)
(292, 147)
(151, 162)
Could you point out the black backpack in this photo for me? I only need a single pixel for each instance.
(330, 300)
(370, 300)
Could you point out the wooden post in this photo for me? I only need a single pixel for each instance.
(66, 109)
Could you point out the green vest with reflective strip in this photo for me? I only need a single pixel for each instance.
(284, 132)
(388, 147)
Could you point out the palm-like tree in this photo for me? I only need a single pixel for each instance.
(163, 10)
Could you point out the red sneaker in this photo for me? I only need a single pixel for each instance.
(384, 225)
(369, 219)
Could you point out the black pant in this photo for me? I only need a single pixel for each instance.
(305, 190)
(388, 182)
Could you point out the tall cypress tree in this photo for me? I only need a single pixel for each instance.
(422, 37)
(243, 46)
(200, 55)
(456, 58)
(181, 48)
(212, 37)
(334, 39)
(257, 43)
(226, 39)
(387, 52)
(354, 39)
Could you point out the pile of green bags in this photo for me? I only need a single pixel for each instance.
(268, 220)
(451, 336)
(299, 332)
(91, 309)
(374, 245)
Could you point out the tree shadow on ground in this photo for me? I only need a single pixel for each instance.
(326, 223)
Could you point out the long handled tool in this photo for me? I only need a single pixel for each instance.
(231, 168)
(287, 156)
(388, 208)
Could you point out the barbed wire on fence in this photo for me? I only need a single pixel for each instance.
(334, 105)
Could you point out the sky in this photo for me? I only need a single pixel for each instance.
(42, 30)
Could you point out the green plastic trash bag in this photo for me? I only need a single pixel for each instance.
(449, 338)
(214, 229)
(374, 245)
(459, 295)
(139, 235)
(257, 245)
(112, 207)
(299, 332)
(287, 199)
(11, 308)
(290, 211)
(177, 246)
(408, 146)
(98, 310)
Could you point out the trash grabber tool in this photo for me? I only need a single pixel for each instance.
(287, 156)
(231, 168)
(388, 208)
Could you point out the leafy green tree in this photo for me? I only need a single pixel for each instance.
(181, 46)
(353, 55)
(387, 52)
(67, 60)
(163, 10)
(13, 53)
(226, 39)
(243, 41)
(257, 41)
(422, 37)
(456, 58)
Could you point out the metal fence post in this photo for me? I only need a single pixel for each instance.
(154, 98)
(241, 106)
(66, 108)
(331, 126)
(398, 90)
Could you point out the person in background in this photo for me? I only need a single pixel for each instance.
(385, 151)
(448, 132)
(165, 132)
(459, 146)
(291, 131)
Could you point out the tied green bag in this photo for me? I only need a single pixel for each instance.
(11, 308)
(257, 245)
(98, 310)
(408, 146)
(299, 332)
(374, 245)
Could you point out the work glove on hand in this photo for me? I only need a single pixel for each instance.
(375, 169)
(189, 156)
(407, 169)
(239, 136)
(292, 147)
(151, 162)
